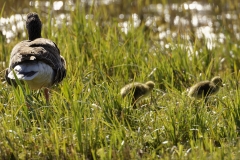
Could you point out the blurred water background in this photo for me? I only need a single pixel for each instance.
(162, 20)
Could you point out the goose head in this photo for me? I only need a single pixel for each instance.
(34, 26)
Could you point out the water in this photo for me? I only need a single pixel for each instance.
(163, 21)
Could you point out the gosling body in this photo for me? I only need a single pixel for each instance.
(205, 89)
(137, 90)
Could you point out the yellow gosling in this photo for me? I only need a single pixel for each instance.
(137, 90)
(204, 89)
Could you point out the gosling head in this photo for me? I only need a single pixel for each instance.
(217, 81)
(150, 84)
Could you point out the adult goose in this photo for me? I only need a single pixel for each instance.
(204, 89)
(137, 91)
(36, 61)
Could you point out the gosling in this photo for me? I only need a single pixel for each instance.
(138, 91)
(204, 89)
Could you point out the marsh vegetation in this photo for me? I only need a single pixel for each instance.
(108, 44)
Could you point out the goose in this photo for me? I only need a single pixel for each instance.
(137, 90)
(36, 61)
(204, 89)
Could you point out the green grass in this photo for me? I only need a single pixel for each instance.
(88, 119)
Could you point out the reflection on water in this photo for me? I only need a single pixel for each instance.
(125, 25)
(99, 2)
(67, 5)
(11, 26)
(14, 25)
(188, 20)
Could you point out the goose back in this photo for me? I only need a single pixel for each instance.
(40, 49)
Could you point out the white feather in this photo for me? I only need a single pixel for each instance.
(37, 74)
